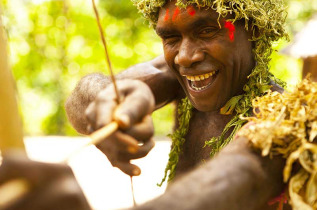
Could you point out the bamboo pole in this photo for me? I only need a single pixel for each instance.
(11, 135)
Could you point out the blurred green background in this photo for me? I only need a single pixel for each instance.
(53, 43)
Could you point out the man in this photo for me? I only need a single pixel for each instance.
(216, 53)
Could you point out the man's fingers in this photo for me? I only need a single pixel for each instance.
(105, 113)
(116, 142)
(106, 103)
(137, 103)
(128, 168)
(126, 141)
(145, 149)
(140, 153)
(143, 130)
(100, 112)
(90, 114)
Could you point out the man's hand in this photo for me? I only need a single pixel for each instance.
(133, 116)
(50, 186)
(155, 73)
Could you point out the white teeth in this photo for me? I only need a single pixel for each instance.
(200, 77)
(198, 88)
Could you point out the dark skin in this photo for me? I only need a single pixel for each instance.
(196, 45)
(193, 46)
(237, 178)
(214, 52)
(51, 186)
(153, 73)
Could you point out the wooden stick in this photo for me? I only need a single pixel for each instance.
(111, 72)
(11, 134)
(99, 135)
(96, 137)
(102, 35)
(132, 190)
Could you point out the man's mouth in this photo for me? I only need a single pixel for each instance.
(201, 82)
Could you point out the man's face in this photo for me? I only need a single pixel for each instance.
(211, 63)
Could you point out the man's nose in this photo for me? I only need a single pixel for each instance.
(188, 54)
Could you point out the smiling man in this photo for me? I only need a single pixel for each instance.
(209, 65)
(216, 56)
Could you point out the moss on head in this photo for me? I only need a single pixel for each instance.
(267, 17)
(264, 14)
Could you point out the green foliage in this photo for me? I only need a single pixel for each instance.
(55, 43)
(178, 138)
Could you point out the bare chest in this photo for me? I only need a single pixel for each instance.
(203, 126)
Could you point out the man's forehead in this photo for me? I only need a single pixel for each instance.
(170, 14)
(191, 10)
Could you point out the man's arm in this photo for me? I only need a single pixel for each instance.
(237, 178)
(45, 185)
(155, 74)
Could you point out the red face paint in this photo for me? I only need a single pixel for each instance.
(166, 15)
(231, 28)
(191, 11)
(176, 12)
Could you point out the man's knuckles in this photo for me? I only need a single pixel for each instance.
(138, 102)
(141, 152)
(90, 112)
(142, 131)
(103, 113)
(144, 149)
(106, 95)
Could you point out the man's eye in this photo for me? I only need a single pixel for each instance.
(170, 39)
(208, 32)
